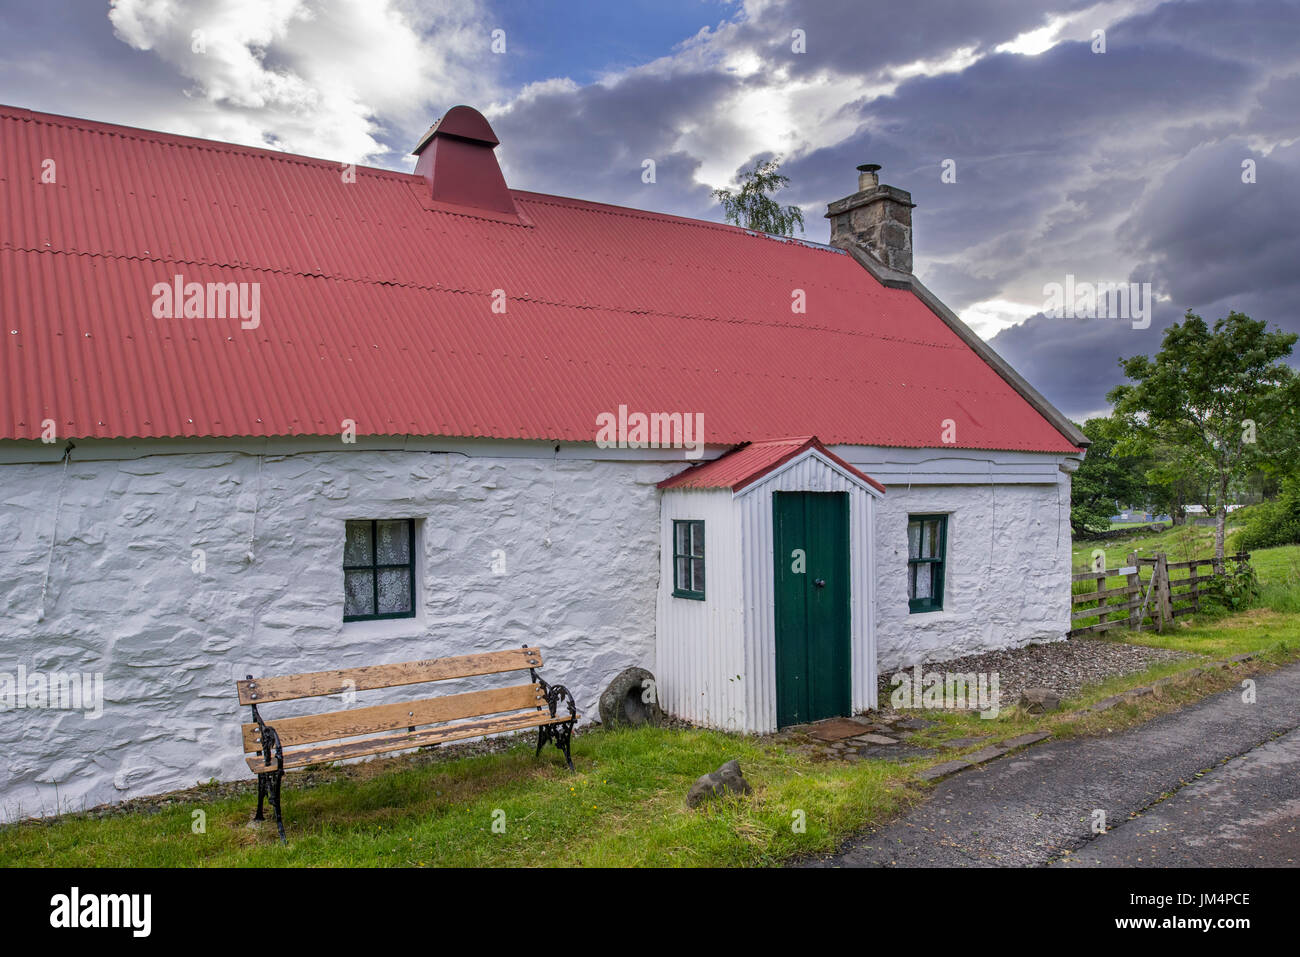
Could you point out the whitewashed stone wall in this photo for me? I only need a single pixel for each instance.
(1007, 574)
(123, 600)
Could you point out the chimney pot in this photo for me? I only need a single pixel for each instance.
(867, 177)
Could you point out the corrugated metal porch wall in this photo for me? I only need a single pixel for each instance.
(716, 659)
(699, 654)
(807, 474)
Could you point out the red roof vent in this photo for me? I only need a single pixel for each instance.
(457, 160)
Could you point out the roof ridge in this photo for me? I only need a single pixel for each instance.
(614, 209)
(182, 140)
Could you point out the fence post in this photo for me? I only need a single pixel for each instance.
(1161, 584)
(1134, 581)
(1102, 614)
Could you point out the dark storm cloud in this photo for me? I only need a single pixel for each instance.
(1209, 236)
(1075, 362)
(591, 142)
(1249, 31)
(856, 38)
(1019, 129)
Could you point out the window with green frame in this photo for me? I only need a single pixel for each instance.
(379, 569)
(688, 559)
(927, 544)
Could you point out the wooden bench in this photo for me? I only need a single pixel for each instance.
(296, 742)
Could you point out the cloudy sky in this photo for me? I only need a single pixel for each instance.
(1109, 141)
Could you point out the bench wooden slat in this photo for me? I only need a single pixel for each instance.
(313, 684)
(310, 728)
(401, 742)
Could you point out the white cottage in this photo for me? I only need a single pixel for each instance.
(263, 413)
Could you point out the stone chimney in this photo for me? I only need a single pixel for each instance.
(876, 219)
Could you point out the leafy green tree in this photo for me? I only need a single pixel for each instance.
(1105, 478)
(1218, 399)
(753, 207)
(1174, 481)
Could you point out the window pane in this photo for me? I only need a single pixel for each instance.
(913, 539)
(697, 580)
(697, 536)
(682, 531)
(681, 577)
(393, 546)
(394, 591)
(356, 545)
(923, 581)
(932, 548)
(911, 581)
(359, 597)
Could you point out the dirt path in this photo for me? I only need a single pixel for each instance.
(1033, 807)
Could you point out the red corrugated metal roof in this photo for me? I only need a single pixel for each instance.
(376, 306)
(749, 463)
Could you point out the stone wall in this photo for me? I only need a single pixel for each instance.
(1007, 574)
(123, 598)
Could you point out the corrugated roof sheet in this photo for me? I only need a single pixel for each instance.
(376, 306)
(749, 463)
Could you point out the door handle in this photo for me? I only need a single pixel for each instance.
(820, 582)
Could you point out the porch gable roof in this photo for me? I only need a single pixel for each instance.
(748, 463)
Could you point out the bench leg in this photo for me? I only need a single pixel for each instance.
(563, 733)
(560, 734)
(261, 796)
(274, 787)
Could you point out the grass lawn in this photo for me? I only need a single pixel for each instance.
(623, 807)
(625, 804)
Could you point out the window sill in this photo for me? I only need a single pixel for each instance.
(931, 613)
(386, 628)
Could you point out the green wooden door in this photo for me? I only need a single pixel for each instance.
(811, 546)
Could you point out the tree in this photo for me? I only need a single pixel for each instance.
(1217, 399)
(1174, 481)
(1105, 478)
(752, 205)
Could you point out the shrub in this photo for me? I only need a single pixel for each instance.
(1232, 591)
(1272, 523)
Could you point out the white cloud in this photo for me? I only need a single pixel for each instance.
(322, 79)
(991, 316)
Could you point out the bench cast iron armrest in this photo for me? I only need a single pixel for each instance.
(560, 732)
(268, 781)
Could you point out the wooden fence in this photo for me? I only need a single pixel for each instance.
(1152, 594)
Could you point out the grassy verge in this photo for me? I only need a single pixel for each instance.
(1275, 636)
(623, 807)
